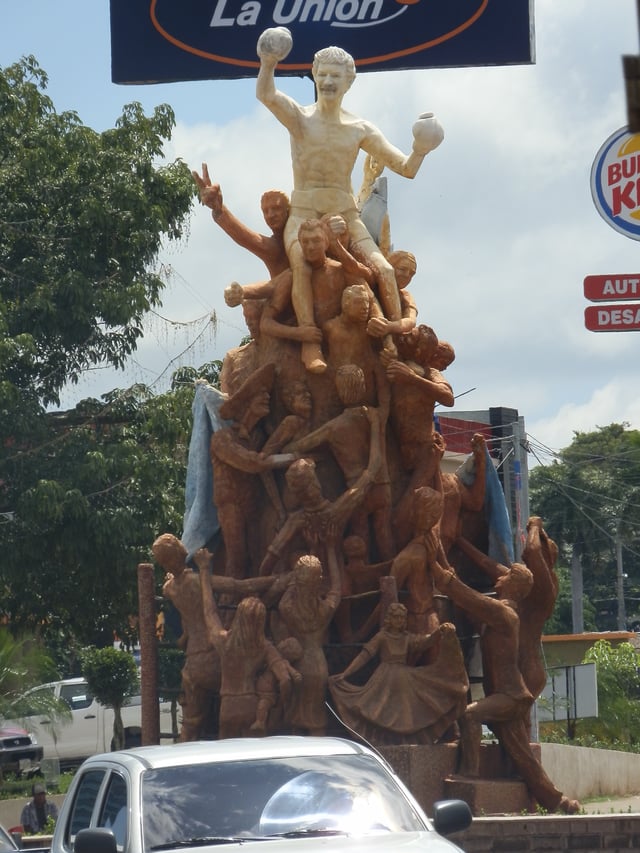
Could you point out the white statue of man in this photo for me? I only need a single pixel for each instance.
(325, 143)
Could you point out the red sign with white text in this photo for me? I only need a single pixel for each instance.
(612, 318)
(600, 288)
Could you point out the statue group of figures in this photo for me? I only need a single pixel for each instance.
(336, 525)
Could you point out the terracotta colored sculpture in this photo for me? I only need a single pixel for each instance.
(402, 701)
(411, 567)
(240, 362)
(416, 392)
(317, 513)
(458, 496)
(307, 611)
(327, 280)
(404, 267)
(539, 555)
(201, 671)
(236, 458)
(359, 577)
(356, 271)
(507, 701)
(340, 249)
(298, 402)
(326, 473)
(274, 708)
(325, 142)
(348, 435)
(244, 653)
(275, 209)
(348, 342)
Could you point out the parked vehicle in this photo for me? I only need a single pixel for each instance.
(20, 752)
(90, 729)
(7, 841)
(11, 840)
(297, 793)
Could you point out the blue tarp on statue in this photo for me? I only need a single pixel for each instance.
(495, 510)
(200, 517)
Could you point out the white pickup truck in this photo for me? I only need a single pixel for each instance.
(90, 729)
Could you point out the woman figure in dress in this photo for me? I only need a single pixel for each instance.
(403, 703)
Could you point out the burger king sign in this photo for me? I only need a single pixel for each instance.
(615, 182)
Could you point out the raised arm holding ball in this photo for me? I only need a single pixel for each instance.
(325, 143)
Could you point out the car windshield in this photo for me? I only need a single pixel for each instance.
(276, 796)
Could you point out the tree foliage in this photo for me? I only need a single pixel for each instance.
(112, 677)
(84, 493)
(82, 218)
(618, 693)
(87, 502)
(24, 664)
(588, 498)
(560, 621)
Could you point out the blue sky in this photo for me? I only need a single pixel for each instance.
(500, 217)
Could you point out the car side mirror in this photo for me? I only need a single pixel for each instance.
(451, 816)
(95, 841)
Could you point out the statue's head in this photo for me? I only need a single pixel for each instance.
(516, 584)
(170, 553)
(314, 240)
(404, 265)
(249, 621)
(396, 616)
(335, 56)
(254, 392)
(297, 398)
(275, 206)
(356, 303)
(350, 384)
(302, 479)
(443, 356)
(308, 571)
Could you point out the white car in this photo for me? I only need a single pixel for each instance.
(89, 729)
(281, 794)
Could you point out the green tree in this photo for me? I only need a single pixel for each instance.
(83, 216)
(24, 664)
(110, 478)
(618, 721)
(590, 501)
(112, 677)
(560, 621)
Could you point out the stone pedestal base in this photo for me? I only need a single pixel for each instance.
(430, 774)
(490, 796)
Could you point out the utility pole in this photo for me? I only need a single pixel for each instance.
(622, 611)
(577, 612)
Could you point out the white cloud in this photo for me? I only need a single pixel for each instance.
(500, 217)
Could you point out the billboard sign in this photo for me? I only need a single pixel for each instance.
(615, 182)
(155, 41)
(600, 288)
(612, 318)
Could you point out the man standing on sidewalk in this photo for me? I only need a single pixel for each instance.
(38, 810)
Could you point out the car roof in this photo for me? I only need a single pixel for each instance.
(231, 749)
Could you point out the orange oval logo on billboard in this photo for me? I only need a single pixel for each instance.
(375, 32)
